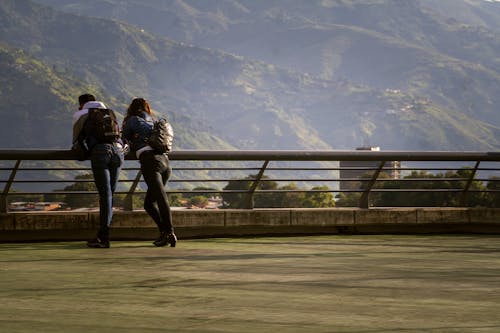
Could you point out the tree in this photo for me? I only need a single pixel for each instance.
(266, 200)
(289, 195)
(350, 199)
(318, 199)
(236, 199)
(241, 199)
(175, 199)
(197, 191)
(432, 198)
(285, 198)
(82, 200)
(475, 196)
(198, 201)
(494, 197)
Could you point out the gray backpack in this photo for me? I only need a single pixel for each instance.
(162, 136)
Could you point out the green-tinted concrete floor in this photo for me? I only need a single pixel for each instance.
(362, 284)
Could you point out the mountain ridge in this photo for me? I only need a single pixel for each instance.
(221, 100)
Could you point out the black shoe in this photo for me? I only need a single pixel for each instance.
(98, 243)
(166, 238)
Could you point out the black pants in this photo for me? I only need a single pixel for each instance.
(156, 171)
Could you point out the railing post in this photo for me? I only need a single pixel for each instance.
(128, 203)
(3, 203)
(463, 195)
(249, 202)
(363, 201)
(6, 189)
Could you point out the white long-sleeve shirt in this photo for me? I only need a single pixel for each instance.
(79, 119)
(85, 109)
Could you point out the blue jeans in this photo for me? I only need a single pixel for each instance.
(106, 161)
(156, 170)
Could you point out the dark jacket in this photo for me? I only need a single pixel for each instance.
(136, 130)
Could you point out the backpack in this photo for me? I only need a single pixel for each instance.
(102, 125)
(162, 136)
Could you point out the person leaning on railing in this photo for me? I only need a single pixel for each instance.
(106, 160)
(155, 168)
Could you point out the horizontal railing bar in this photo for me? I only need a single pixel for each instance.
(173, 191)
(332, 179)
(64, 181)
(244, 169)
(47, 169)
(273, 155)
(263, 180)
(399, 180)
(301, 155)
(344, 179)
(269, 168)
(454, 190)
(123, 192)
(251, 168)
(336, 169)
(440, 169)
(213, 169)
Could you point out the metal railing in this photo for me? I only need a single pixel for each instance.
(363, 173)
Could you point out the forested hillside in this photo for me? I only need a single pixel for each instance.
(269, 75)
(35, 99)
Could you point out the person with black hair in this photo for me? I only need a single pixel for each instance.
(106, 157)
(155, 168)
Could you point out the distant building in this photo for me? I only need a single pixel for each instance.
(351, 170)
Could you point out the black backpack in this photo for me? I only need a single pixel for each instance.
(162, 136)
(102, 125)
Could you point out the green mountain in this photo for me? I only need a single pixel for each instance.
(35, 99)
(218, 100)
(76, 55)
(444, 50)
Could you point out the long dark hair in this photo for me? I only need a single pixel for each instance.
(138, 106)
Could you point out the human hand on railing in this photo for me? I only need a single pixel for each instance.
(126, 149)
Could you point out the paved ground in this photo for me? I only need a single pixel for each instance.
(363, 284)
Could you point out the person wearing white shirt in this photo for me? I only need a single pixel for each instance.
(106, 160)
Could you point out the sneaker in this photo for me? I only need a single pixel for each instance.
(98, 243)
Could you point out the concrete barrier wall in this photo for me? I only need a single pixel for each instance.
(28, 226)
